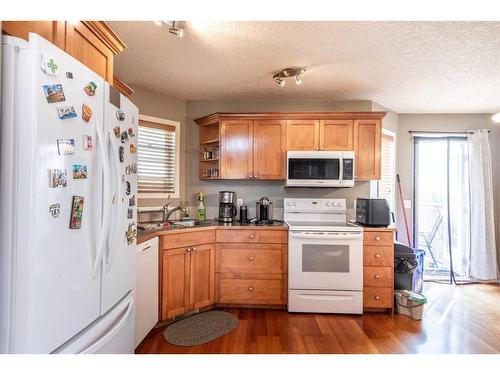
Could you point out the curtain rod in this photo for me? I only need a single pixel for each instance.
(437, 132)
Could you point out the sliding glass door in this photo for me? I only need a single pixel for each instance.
(441, 198)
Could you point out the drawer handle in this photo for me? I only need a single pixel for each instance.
(377, 238)
(250, 289)
(377, 255)
(377, 276)
(377, 297)
(251, 258)
(252, 236)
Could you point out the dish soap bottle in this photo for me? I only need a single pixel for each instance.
(201, 207)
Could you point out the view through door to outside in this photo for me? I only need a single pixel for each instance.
(441, 188)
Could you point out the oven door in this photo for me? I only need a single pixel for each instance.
(325, 260)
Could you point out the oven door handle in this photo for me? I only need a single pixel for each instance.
(327, 236)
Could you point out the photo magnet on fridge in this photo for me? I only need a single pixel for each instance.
(86, 112)
(133, 148)
(57, 178)
(117, 131)
(131, 132)
(79, 171)
(54, 93)
(49, 66)
(66, 112)
(124, 137)
(87, 142)
(127, 189)
(131, 233)
(120, 115)
(54, 210)
(131, 201)
(121, 154)
(130, 213)
(69, 75)
(76, 212)
(90, 88)
(65, 146)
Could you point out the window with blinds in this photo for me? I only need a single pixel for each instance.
(156, 158)
(386, 182)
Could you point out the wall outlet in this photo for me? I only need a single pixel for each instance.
(239, 202)
(407, 203)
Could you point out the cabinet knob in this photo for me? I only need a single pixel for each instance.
(252, 236)
(322, 148)
(377, 255)
(377, 297)
(250, 289)
(251, 258)
(317, 148)
(193, 249)
(188, 249)
(377, 276)
(377, 238)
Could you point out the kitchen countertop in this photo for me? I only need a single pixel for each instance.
(144, 235)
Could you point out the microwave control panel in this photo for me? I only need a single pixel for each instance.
(348, 171)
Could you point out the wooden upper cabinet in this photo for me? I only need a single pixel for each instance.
(236, 144)
(269, 149)
(336, 135)
(302, 135)
(367, 147)
(202, 276)
(91, 42)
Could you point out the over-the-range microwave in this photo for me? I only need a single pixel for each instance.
(320, 168)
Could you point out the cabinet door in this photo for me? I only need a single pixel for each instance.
(269, 149)
(336, 135)
(175, 282)
(83, 45)
(367, 147)
(53, 31)
(202, 276)
(302, 135)
(236, 149)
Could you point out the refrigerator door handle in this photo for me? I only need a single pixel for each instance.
(101, 243)
(109, 335)
(118, 212)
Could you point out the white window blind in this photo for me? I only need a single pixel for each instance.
(386, 182)
(156, 159)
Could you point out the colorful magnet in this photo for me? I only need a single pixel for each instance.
(131, 132)
(69, 75)
(76, 212)
(120, 115)
(58, 178)
(131, 201)
(133, 148)
(131, 168)
(65, 146)
(86, 112)
(127, 190)
(54, 210)
(49, 66)
(66, 112)
(79, 171)
(87, 142)
(130, 213)
(54, 93)
(116, 129)
(131, 233)
(124, 137)
(121, 154)
(90, 88)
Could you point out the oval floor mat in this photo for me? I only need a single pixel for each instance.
(200, 328)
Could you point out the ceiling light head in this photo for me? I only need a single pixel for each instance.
(496, 117)
(280, 76)
(175, 29)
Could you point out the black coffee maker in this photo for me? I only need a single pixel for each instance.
(264, 211)
(227, 208)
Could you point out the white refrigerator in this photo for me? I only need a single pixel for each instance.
(68, 188)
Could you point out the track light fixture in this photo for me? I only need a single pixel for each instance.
(279, 77)
(174, 27)
(496, 117)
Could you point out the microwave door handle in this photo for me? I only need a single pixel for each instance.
(341, 169)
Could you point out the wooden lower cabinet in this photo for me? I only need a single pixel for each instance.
(187, 276)
(378, 269)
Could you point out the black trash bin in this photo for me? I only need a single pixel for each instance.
(408, 268)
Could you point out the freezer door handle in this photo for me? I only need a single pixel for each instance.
(106, 204)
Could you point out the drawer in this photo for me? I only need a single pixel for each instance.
(252, 235)
(249, 258)
(377, 276)
(378, 256)
(172, 241)
(250, 291)
(378, 238)
(377, 297)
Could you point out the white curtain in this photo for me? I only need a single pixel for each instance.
(483, 258)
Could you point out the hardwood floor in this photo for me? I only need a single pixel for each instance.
(457, 319)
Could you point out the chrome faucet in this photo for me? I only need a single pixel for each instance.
(167, 212)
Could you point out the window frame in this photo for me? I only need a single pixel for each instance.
(176, 125)
(375, 186)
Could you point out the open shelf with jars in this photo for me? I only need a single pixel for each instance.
(209, 151)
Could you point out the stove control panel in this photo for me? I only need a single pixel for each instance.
(310, 204)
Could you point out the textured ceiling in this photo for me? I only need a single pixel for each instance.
(426, 67)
